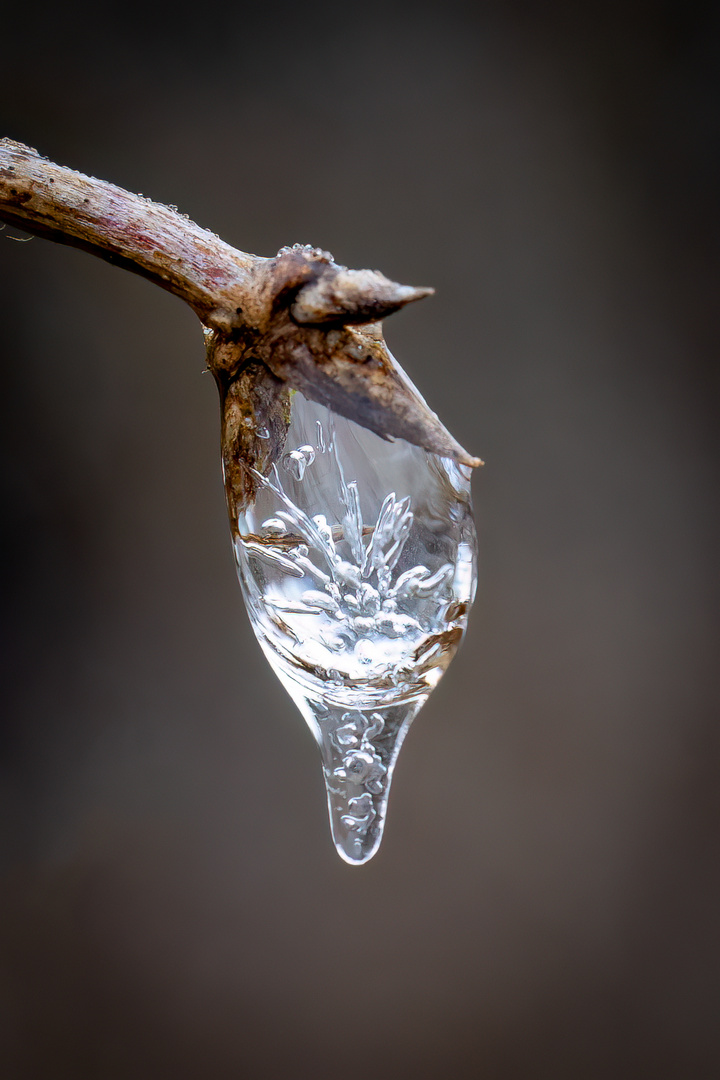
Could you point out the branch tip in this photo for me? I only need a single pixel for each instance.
(339, 296)
(302, 320)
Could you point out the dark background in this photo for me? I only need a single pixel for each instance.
(545, 902)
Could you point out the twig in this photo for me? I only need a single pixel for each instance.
(296, 321)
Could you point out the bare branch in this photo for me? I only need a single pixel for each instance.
(273, 324)
(127, 230)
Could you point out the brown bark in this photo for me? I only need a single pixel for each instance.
(296, 321)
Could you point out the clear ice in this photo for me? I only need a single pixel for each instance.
(357, 561)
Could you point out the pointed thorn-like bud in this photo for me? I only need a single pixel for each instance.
(352, 371)
(340, 296)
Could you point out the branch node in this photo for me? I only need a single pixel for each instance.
(298, 320)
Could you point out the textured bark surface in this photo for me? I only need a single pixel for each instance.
(297, 320)
(127, 230)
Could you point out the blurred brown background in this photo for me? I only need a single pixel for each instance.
(545, 903)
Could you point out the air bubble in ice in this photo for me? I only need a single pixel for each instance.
(297, 461)
(274, 526)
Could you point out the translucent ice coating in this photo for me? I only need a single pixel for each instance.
(357, 562)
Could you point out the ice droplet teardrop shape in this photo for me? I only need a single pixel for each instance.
(357, 561)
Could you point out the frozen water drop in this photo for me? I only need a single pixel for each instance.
(357, 576)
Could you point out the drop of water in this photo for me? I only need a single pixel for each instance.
(358, 573)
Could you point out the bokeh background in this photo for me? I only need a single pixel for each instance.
(545, 902)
